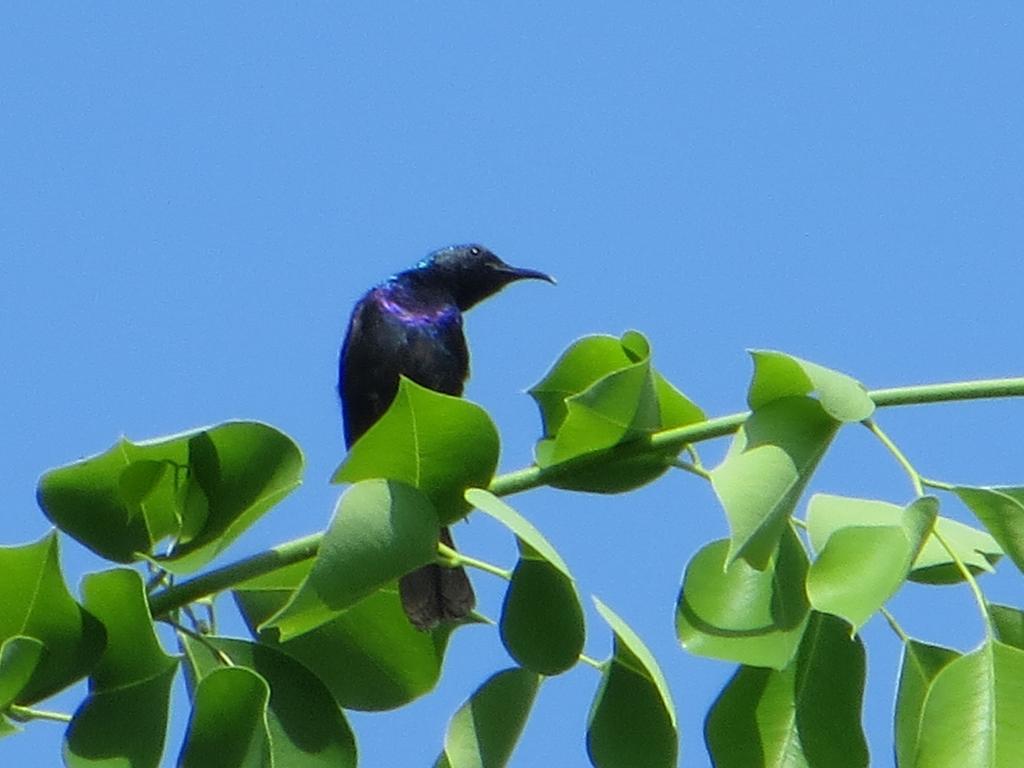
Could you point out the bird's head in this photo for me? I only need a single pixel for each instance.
(471, 273)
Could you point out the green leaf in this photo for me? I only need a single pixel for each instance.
(921, 663)
(778, 376)
(370, 657)
(766, 470)
(19, 657)
(523, 529)
(124, 717)
(632, 721)
(1001, 510)
(742, 614)
(436, 443)
(807, 714)
(861, 566)
(584, 362)
(613, 405)
(307, 728)
(976, 549)
(228, 726)
(35, 602)
(484, 731)
(973, 708)
(541, 618)
(201, 489)
(381, 530)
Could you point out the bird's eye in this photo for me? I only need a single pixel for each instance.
(475, 251)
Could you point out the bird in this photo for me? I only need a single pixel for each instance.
(411, 325)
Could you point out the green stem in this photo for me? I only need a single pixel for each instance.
(693, 469)
(937, 484)
(23, 714)
(915, 477)
(894, 625)
(524, 479)
(219, 579)
(454, 558)
(979, 597)
(591, 661)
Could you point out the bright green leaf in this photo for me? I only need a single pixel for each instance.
(862, 565)
(381, 530)
(436, 443)
(228, 726)
(921, 664)
(778, 375)
(632, 721)
(1001, 510)
(973, 711)
(35, 602)
(307, 728)
(370, 657)
(202, 488)
(742, 614)
(484, 731)
(766, 469)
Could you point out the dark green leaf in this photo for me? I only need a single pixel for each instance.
(370, 657)
(201, 489)
(124, 718)
(307, 728)
(632, 721)
(381, 530)
(436, 443)
(766, 469)
(778, 375)
(228, 727)
(807, 714)
(742, 614)
(19, 657)
(483, 733)
(34, 602)
(1001, 510)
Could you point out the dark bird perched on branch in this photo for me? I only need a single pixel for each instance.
(411, 325)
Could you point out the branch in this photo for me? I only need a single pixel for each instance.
(215, 581)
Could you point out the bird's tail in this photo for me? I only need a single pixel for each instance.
(433, 593)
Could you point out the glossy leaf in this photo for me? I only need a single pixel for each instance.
(435, 443)
(974, 707)
(35, 602)
(921, 664)
(381, 530)
(370, 657)
(778, 376)
(307, 728)
(807, 714)
(741, 614)
(523, 529)
(228, 726)
(1001, 510)
(861, 566)
(124, 717)
(200, 489)
(766, 470)
(484, 731)
(632, 721)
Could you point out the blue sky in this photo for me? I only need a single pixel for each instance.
(192, 197)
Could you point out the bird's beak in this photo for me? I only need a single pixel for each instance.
(516, 273)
